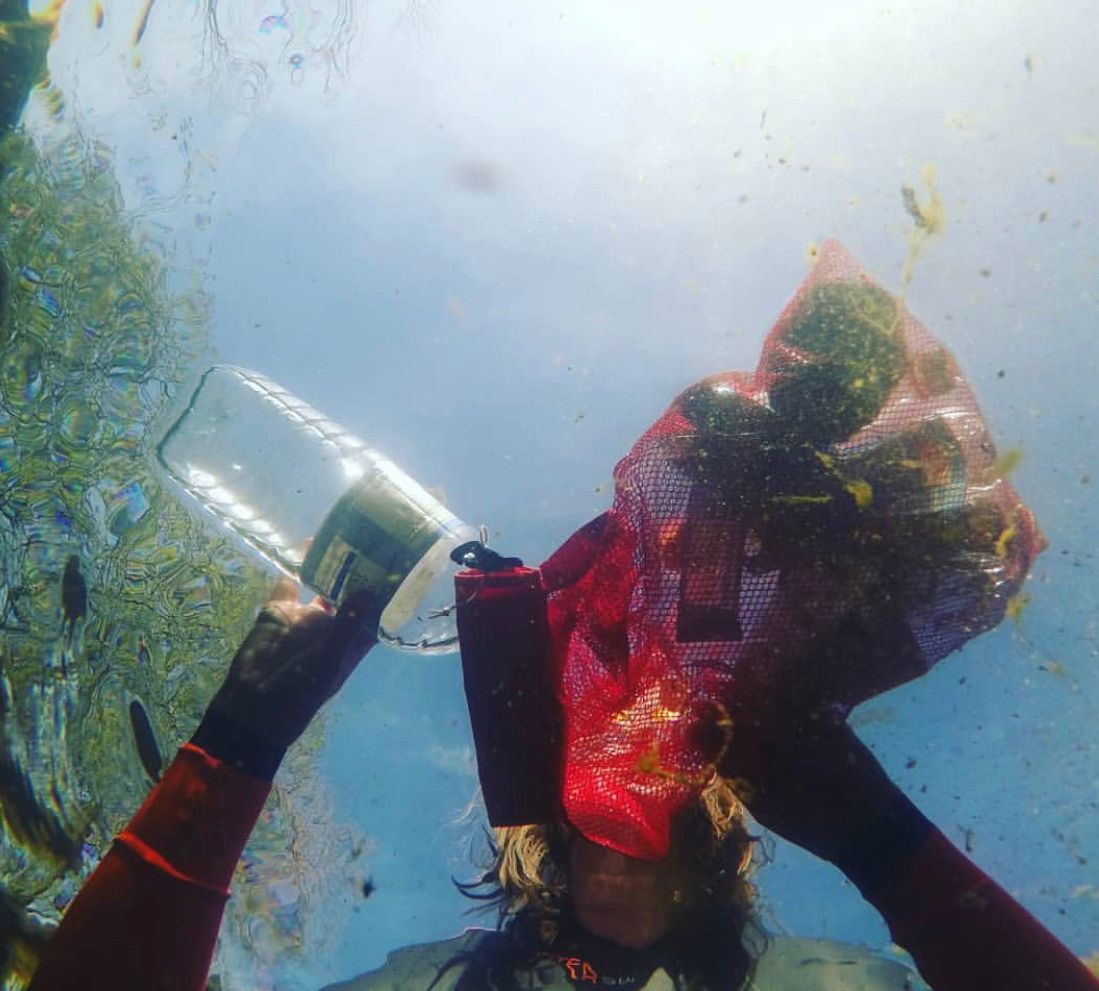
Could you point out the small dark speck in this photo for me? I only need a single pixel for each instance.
(1085, 479)
(1043, 216)
(368, 888)
(1000, 374)
(742, 198)
(910, 763)
(985, 273)
(961, 680)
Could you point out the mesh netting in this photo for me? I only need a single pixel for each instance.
(835, 518)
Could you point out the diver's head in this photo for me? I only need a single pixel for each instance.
(547, 875)
(635, 903)
(632, 903)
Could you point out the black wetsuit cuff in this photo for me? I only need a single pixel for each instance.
(223, 737)
(875, 857)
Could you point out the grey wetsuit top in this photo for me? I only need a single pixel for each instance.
(788, 964)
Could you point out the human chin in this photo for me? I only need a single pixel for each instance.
(618, 898)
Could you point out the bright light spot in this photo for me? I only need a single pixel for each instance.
(353, 469)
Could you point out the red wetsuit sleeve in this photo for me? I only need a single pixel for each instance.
(963, 930)
(148, 917)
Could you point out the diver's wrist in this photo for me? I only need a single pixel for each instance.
(877, 852)
(223, 737)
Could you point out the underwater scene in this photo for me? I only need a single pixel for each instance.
(796, 302)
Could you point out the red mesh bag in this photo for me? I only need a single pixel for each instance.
(835, 517)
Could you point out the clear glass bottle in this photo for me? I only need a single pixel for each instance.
(318, 502)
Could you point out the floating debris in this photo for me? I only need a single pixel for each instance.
(928, 219)
(1007, 462)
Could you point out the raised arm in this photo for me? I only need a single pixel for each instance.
(147, 919)
(817, 785)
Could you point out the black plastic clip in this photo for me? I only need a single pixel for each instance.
(474, 554)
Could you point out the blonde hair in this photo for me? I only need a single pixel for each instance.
(718, 936)
(529, 865)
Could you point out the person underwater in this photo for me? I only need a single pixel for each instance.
(577, 913)
(781, 546)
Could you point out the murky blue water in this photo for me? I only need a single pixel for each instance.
(496, 241)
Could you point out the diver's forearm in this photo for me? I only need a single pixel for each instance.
(962, 929)
(148, 917)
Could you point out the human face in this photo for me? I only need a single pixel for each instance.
(630, 902)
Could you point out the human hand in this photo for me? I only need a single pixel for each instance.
(296, 656)
(798, 767)
(809, 779)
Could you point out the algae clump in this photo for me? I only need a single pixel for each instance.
(842, 356)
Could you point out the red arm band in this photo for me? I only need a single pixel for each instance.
(148, 917)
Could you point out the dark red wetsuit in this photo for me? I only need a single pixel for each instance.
(148, 918)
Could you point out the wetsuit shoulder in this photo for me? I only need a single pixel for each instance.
(791, 964)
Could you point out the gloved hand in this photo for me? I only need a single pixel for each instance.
(799, 768)
(296, 657)
(810, 780)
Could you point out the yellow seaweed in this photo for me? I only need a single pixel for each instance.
(1015, 606)
(928, 219)
(862, 492)
(1007, 462)
(1004, 540)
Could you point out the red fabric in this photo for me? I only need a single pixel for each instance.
(147, 919)
(843, 502)
(511, 693)
(155, 859)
